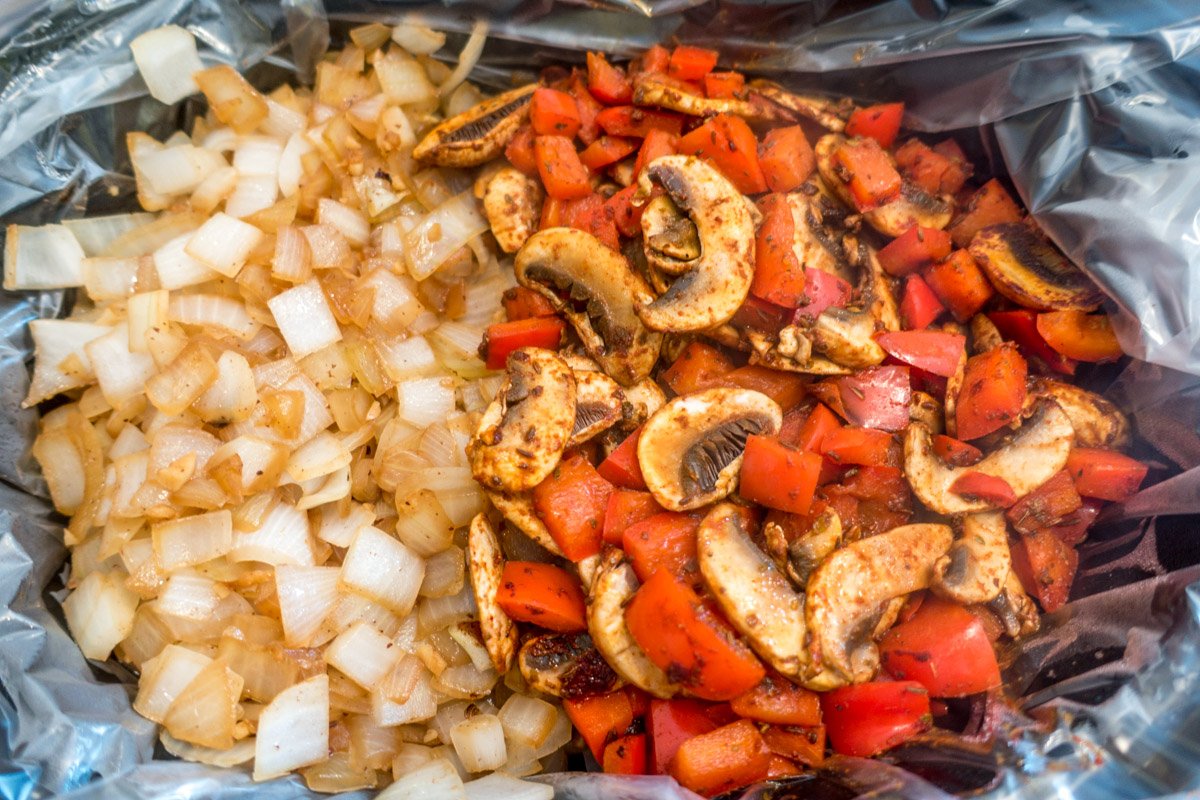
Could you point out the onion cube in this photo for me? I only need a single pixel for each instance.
(304, 318)
(167, 58)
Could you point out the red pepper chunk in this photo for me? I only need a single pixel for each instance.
(607, 83)
(919, 307)
(1047, 505)
(691, 63)
(723, 84)
(868, 718)
(1046, 566)
(502, 338)
(637, 122)
(956, 453)
(960, 284)
(786, 158)
(991, 205)
(797, 743)
(521, 303)
(993, 392)
(778, 476)
(779, 701)
(542, 595)
(943, 647)
(873, 180)
(626, 755)
(862, 446)
(621, 467)
(1020, 326)
(562, 173)
(881, 123)
(665, 541)
(934, 171)
(728, 143)
(699, 366)
(601, 718)
(932, 351)
(1085, 337)
(1105, 474)
(520, 153)
(607, 150)
(731, 756)
(572, 502)
(914, 250)
(670, 723)
(778, 276)
(627, 507)
(987, 488)
(656, 144)
(553, 113)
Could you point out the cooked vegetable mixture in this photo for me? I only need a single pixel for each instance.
(768, 443)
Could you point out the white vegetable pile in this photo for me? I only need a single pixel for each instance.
(269, 378)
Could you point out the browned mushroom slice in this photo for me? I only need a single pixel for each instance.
(1037, 451)
(594, 288)
(641, 400)
(806, 552)
(817, 233)
(975, 569)
(598, 405)
(847, 338)
(485, 563)
(1026, 268)
(716, 285)
(831, 114)
(670, 240)
(518, 510)
(756, 598)
(927, 410)
(613, 586)
(650, 90)
(950, 406)
(523, 432)
(984, 335)
(1015, 608)
(1096, 421)
(691, 449)
(479, 134)
(512, 203)
(851, 588)
(566, 665)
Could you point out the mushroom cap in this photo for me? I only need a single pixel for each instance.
(847, 593)
(566, 665)
(690, 450)
(756, 598)
(598, 405)
(603, 292)
(613, 586)
(523, 432)
(485, 563)
(1026, 268)
(670, 240)
(1037, 451)
(712, 291)
(975, 569)
(479, 134)
(512, 203)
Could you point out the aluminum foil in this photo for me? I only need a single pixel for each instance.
(1088, 106)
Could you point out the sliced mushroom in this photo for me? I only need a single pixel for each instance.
(848, 592)
(831, 114)
(670, 238)
(847, 338)
(756, 598)
(1015, 608)
(512, 203)
(1026, 268)
(641, 400)
(1097, 422)
(594, 288)
(479, 134)
(691, 449)
(806, 552)
(485, 563)
(817, 232)
(717, 283)
(566, 665)
(1037, 451)
(598, 405)
(953, 386)
(975, 569)
(518, 510)
(523, 432)
(984, 335)
(649, 90)
(927, 410)
(882, 305)
(613, 586)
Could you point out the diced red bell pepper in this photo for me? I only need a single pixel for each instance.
(1074, 527)
(862, 446)
(723, 84)
(626, 216)
(1020, 326)
(572, 502)
(1105, 474)
(959, 284)
(562, 173)
(593, 215)
(626, 755)
(956, 453)
(799, 744)
(786, 158)
(502, 338)
(778, 476)
(919, 307)
(780, 767)
(554, 214)
(666, 540)
(626, 507)
(691, 63)
(881, 123)
(553, 113)
(868, 718)
(521, 303)
(990, 489)
(542, 595)
(656, 59)
(991, 205)
(601, 718)
(587, 106)
(778, 276)
(757, 314)
(607, 150)
(819, 423)
(935, 172)
(699, 366)
(607, 83)
(1047, 505)
(785, 388)
(932, 351)
(637, 122)
(519, 151)
(685, 636)
(729, 144)
(729, 757)
(878, 397)
(873, 180)
(621, 467)
(670, 723)
(993, 392)
(1085, 337)
(823, 290)
(656, 144)
(914, 250)
(1046, 567)
(779, 701)
(943, 647)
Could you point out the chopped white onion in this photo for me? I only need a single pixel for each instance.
(395, 305)
(479, 742)
(444, 573)
(192, 540)
(435, 613)
(422, 524)
(252, 193)
(164, 678)
(107, 278)
(347, 220)
(319, 456)
(441, 233)
(293, 730)
(363, 654)
(304, 318)
(384, 569)
(176, 269)
(339, 529)
(258, 156)
(334, 487)
(223, 243)
(436, 780)
(424, 401)
(96, 234)
(528, 721)
(418, 39)
(147, 313)
(467, 58)
(499, 786)
(176, 170)
(283, 537)
(232, 395)
(403, 359)
(306, 595)
(231, 98)
(45, 257)
(293, 257)
(122, 374)
(100, 613)
(205, 712)
(61, 359)
(282, 121)
(291, 171)
(328, 246)
(403, 78)
(167, 58)
(420, 705)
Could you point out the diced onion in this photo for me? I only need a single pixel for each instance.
(257, 156)
(424, 401)
(441, 233)
(293, 730)
(339, 529)
(336, 774)
(498, 786)
(402, 78)
(527, 721)
(304, 318)
(46, 257)
(347, 220)
(232, 394)
(61, 360)
(205, 712)
(223, 243)
(164, 677)
(231, 98)
(282, 538)
(363, 654)
(100, 613)
(383, 569)
(417, 38)
(479, 742)
(306, 595)
(444, 573)
(435, 613)
(166, 57)
(293, 257)
(252, 194)
(192, 540)
(121, 373)
(420, 705)
(177, 170)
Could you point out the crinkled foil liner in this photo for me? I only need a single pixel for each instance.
(1089, 108)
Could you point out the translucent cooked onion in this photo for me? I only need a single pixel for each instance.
(441, 233)
(435, 780)
(192, 540)
(383, 569)
(306, 595)
(527, 721)
(293, 730)
(479, 742)
(363, 654)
